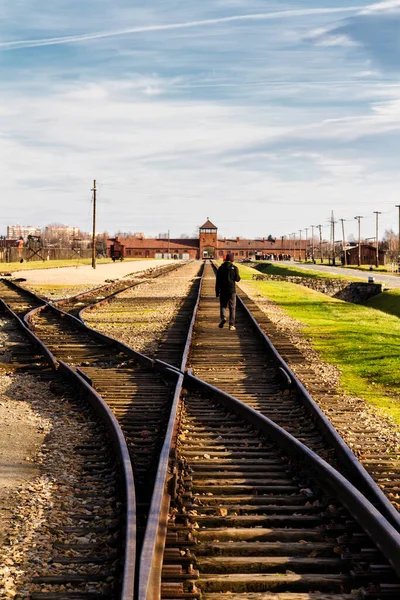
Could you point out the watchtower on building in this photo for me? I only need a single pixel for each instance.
(208, 240)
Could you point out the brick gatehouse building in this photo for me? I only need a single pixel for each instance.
(207, 245)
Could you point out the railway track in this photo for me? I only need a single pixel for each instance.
(248, 521)
(245, 511)
(232, 489)
(81, 546)
(108, 292)
(244, 364)
(139, 398)
(146, 311)
(20, 300)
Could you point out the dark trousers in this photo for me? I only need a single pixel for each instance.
(228, 301)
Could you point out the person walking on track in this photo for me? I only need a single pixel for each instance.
(225, 290)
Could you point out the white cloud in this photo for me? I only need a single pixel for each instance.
(335, 40)
(31, 43)
(388, 6)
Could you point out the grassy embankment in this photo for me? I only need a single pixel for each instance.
(361, 341)
(51, 264)
(380, 269)
(388, 302)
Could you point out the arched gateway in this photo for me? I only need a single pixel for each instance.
(208, 240)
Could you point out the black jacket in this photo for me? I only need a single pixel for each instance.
(227, 275)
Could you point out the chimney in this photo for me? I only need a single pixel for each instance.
(237, 239)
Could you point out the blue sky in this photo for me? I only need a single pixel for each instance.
(264, 116)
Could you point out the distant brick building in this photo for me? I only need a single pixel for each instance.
(367, 255)
(207, 245)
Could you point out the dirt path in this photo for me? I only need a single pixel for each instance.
(84, 274)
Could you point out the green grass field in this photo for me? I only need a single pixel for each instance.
(361, 341)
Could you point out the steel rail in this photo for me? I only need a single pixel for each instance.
(185, 355)
(105, 339)
(346, 458)
(13, 284)
(151, 558)
(49, 357)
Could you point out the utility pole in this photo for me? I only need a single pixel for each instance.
(294, 245)
(305, 250)
(398, 249)
(377, 213)
(344, 243)
(359, 240)
(312, 243)
(333, 238)
(320, 242)
(94, 226)
(300, 230)
(168, 242)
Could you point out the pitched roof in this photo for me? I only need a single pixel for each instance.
(208, 225)
(151, 243)
(245, 244)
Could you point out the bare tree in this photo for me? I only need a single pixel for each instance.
(390, 244)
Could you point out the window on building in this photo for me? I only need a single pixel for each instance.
(221, 253)
(241, 253)
(128, 252)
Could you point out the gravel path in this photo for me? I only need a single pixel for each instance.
(323, 382)
(138, 316)
(85, 275)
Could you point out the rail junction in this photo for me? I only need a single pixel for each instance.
(211, 473)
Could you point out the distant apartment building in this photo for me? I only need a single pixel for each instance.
(15, 232)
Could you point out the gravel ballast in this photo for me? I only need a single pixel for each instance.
(140, 315)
